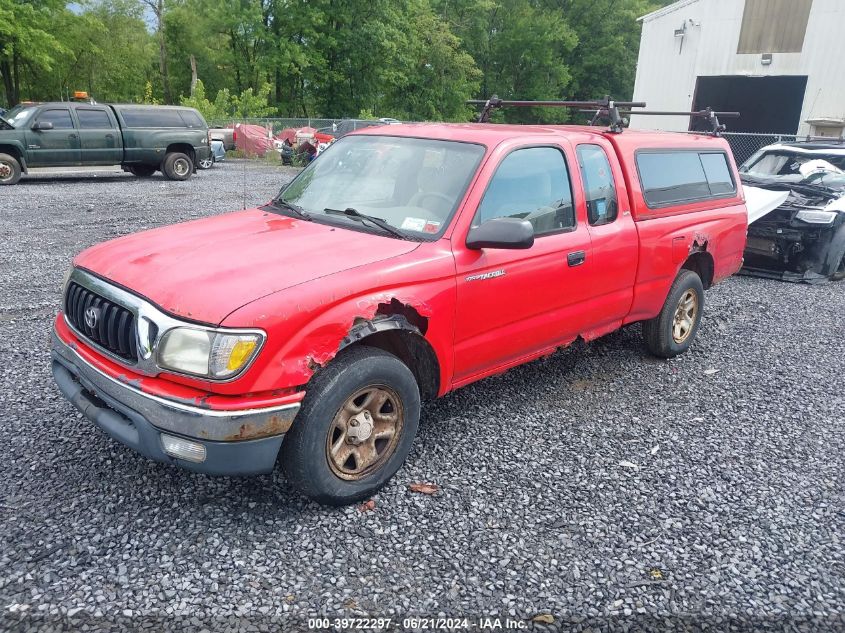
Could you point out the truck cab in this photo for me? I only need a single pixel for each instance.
(403, 263)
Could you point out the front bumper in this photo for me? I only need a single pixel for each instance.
(138, 419)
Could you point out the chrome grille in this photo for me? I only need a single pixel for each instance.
(109, 325)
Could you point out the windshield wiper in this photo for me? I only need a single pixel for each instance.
(296, 209)
(354, 213)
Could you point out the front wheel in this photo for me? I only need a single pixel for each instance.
(206, 163)
(10, 170)
(355, 427)
(673, 330)
(178, 166)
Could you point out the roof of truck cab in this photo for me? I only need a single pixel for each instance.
(492, 134)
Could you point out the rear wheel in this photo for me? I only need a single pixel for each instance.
(673, 330)
(142, 171)
(206, 163)
(178, 166)
(355, 428)
(10, 170)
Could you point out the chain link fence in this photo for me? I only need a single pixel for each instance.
(276, 124)
(744, 144)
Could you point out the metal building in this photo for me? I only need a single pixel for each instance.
(780, 63)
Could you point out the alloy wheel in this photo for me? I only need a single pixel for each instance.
(685, 314)
(365, 432)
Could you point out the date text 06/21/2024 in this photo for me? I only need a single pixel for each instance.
(417, 624)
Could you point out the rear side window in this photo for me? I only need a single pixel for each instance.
(152, 117)
(93, 119)
(530, 184)
(683, 176)
(60, 118)
(599, 188)
(191, 118)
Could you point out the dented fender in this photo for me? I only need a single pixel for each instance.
(305, 331)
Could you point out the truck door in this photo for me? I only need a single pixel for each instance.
(514, 303)
(52, 139)
(99, 138)
(613, 234)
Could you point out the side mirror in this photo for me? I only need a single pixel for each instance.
(502, 233)
(43, 125)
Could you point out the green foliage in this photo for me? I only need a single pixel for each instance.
(247, 105)
(148, 94)
(408, 59)
(27, 47)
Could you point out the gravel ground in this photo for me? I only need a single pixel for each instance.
(600, 486)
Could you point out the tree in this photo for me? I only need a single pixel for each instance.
(520, 46)
(109, 52)
(604, 61)
(158, 10)
(26, 46)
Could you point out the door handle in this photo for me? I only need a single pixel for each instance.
(71, 135)
(576, 258)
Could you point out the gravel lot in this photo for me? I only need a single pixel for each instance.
(601, 486)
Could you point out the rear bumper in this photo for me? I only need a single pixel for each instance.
(139, 420)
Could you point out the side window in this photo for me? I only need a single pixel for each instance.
(93, 119)
(717, 172)
(152, 117)
(192, 119)
(599, 188)
(683, 176)
(59, 118)
(531, 184)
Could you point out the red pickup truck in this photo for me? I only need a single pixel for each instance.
(402, 264)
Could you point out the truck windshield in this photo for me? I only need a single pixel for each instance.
(18, 115)
(412, 184)
(793, 166)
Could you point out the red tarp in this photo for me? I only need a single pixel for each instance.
(252, 140)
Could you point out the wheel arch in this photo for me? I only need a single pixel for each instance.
(15, 152)
(399, 330)
(701, 262)
(184, 148)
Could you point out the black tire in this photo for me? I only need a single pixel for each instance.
(305, 454)
(835, 265)
(838, 273)
(207, 163)
(10, 170)
(142, 171)
(659, 332)
(178, 166)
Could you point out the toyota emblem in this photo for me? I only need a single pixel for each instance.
(92, 315)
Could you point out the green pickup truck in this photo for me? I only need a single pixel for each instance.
(140, 138)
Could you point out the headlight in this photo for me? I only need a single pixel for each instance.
(816, 217)
(214, 354)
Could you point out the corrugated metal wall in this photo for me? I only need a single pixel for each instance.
(668, 65)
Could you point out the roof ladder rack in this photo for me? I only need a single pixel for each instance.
(606, 108)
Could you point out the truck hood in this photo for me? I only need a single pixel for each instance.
(5, 125)
(205, 269)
